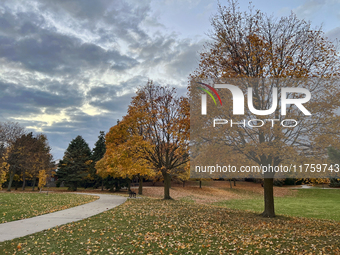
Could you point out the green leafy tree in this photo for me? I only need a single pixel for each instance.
(75, 165)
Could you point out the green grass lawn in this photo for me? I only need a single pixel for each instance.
(310, 203)
(152, 226)
(16, 206)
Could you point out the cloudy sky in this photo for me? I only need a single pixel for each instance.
(70, 67)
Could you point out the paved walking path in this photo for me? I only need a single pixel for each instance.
(21, 228)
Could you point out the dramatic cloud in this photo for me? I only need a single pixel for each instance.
(334, 35)
(70, 68)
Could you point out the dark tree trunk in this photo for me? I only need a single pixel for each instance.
(200, 184)
(140, 188)
(234, 182)
(73, 186)
(102, 184)
(167, 184)
(117, 186)
(23, 180)
(34, 180)
(183, 184)
(129, 184)
(268, 198)
(11, 176)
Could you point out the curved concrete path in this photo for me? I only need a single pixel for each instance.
(20, 228)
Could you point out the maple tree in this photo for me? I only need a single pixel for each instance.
(151, 139)
(124, 157)
(41, 158)
(9, 133)
(4, 167)
(23, 154)
(36, 156)
(26, 156)
(2, 178)
(246, 49)
(42, 179)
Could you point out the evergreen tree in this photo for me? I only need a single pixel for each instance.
(75, 165)
(97, 153)
(99, 147)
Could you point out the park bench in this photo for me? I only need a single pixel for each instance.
(132, 193)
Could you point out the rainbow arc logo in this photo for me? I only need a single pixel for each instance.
(212, 89)
(208, 92)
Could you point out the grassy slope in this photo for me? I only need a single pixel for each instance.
(152, 226)
(310, 203)
(15, 206)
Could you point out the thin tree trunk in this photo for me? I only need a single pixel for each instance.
(183, 184)
(234, 182)
(129, 184)
(102, 184)
(73, 186)
(140, 188)
(117, 186)
(200, 184)
(34, 180)
(23, 180)
(167, 183)
(11, 176)
(268, 198)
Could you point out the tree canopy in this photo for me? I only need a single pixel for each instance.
(251, 49)
(151, 138)
(27, 155)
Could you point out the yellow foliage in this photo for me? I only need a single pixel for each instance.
(319, 181)
(4, 167)
(42, 179)
(152, 137)
(124, 155)
(2, 178)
